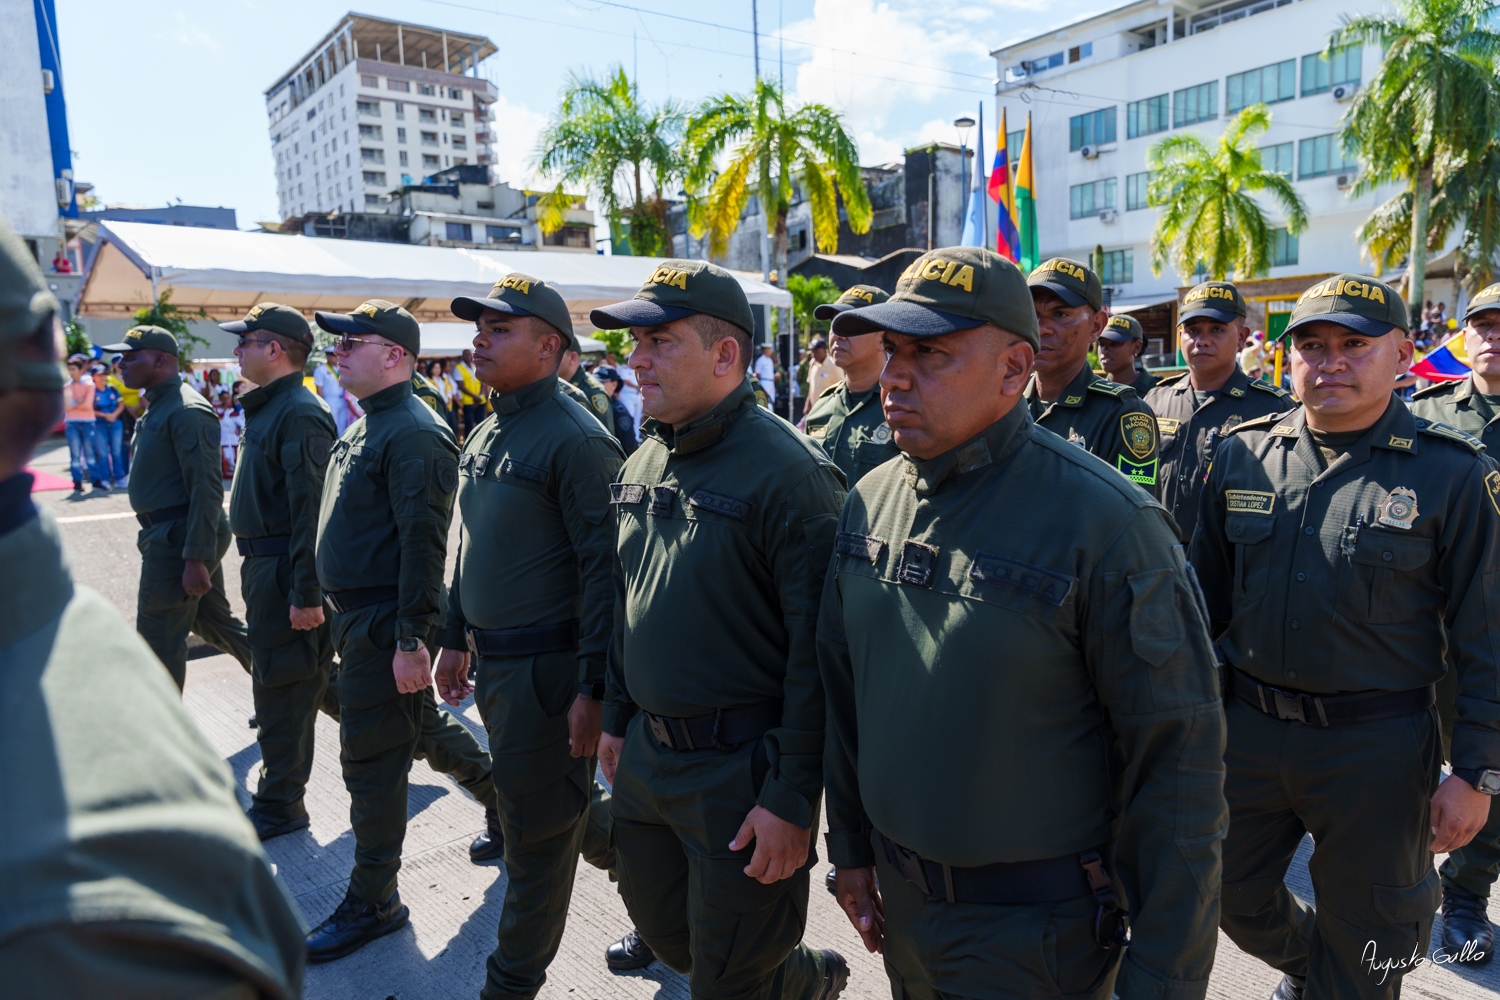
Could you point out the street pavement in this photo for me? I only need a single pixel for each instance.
(455, 905)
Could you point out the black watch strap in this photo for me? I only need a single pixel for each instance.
(1483, 779)
(593, 691)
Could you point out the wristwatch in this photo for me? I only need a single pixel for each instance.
(1484, 780)
(594, 691)
(409, 644)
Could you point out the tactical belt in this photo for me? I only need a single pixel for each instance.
(1329, 709)
(276, 545)
(723, 730)
(523, 641)
(346, 601)
(1020, 883)
(162, 514)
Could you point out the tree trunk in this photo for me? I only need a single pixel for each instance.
(1416, 285)
(778, 261)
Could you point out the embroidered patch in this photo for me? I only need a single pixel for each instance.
(739, 510)
(881, 434)
(1399, 509)
(601, 403)
(626, 492)
(481, 464)
(1072, 400)
(1236, 392)
(1140, 473)
(818, 432)
(1492, 487)
(1230, 423)
(917, 562)
(1248, 501)
(866, 547)
(1167, 425)
(1051, 587)
(1399, 442)
(523, 471)
(661, 501)
(1139, 432)
(445, 470)
(1284, 430)
(465, 461)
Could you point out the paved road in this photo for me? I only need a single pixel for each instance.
(456, 905)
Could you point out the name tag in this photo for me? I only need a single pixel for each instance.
(738, 510)
(1248, 501)
(627, 492)
(1051, 587)
(1167, 425)
(860, 546)
(521, 470)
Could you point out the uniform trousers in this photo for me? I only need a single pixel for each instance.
(675, 813)
(1474, 867)
(1363, 791)
(165, 613)
(381, 732)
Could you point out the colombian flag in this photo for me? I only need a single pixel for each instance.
(1007, 240)
(1025, 212)
(1447, 363)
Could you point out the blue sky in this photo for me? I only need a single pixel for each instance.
(165, 98)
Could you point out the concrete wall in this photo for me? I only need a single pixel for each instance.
(112, 331)
(28, 199)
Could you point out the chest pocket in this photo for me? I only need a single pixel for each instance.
(818, 431)
(1250, 535)
(1384, 577)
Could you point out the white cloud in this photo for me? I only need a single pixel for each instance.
(516, 129)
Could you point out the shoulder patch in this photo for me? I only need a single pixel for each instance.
(445, 470)
(1440, 430)
(831, 388)
(1109, 388)
(1274, 390)
(601, 402)
(318, 449)
(1437, 389)
(1492, 488)
(1258, 424)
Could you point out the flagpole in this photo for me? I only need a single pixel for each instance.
(979, 172)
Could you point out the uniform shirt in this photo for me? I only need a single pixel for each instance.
(387, 502)
(852, 430)
(724, 531)
(1337, 579)
(278, 481)
(1191, 424)
(1458, 404)
(120, 819)
(536, 546)
(1144, 382)
(623, 427)
(1003, 695)
(175, 460)
(428, 392)
(596, 399)
(1105, 418)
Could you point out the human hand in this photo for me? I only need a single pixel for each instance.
(306, 619)
(413, 670)
(583, 726)
(780, 847)
(453, 682)
(1458, 813)
(195, 578)
(609, 754)
(859, 896)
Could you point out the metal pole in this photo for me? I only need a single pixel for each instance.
(755, 33)
(963, 185)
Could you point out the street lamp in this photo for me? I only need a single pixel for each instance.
(963, 123)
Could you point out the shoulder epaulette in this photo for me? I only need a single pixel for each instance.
(1108, 388)
(1437, 389)
(1258, 424)
(1265, 386)
(1173, 380)
(1441, 430)
(831, 388)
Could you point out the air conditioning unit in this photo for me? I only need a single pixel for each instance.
(64, 191)
(1343, 93)
(1090, 152)
(48, 81)
(1107, 215)
(1344, 180)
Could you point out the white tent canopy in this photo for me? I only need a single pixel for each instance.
(446, 339)
(225, 272)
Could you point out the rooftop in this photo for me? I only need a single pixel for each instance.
(400, 42)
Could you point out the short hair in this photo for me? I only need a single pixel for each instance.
(296, 350)
(712, 329)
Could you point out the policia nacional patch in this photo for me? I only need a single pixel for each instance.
(600, 403)
(1138, 431)
(1492, 487)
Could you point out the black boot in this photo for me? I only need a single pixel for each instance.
(491, 843)
(1290, 988)
(630, 952)
(267, 827)
(828, 880)
(353, 925)
(1468, 938)
(835, 975)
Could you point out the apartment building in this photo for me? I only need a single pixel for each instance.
(376, 105)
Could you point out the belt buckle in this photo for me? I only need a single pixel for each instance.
(660, 731)
(1288, 706)
(909, 864)
(471, 643)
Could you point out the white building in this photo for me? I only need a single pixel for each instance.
(1101, 91)
(28, 196)
(374, 105)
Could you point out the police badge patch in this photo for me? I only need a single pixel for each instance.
(881, 434)
(1139, 432)
(601, 403)
(1076, 438)
(1399, 509)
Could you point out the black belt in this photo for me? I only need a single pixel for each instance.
(529, 641)
(161, 515)
(723, 730)
(275, 545)
(1019, 883)
(1329, 709)
(346, 601)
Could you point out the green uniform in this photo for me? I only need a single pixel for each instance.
(852, 429)
(1097, 719)
(126, 866)
(423, 389)
(1335, 576)
(273, 512)
(177, 492)
(597, 400)
(382, 539)
(1190, 424)
(1144, 382)
(1105, 418)
(725, 528)
(536, 552)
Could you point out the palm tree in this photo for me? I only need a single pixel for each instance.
(605, 138)
(1434, 95)
(773, 150)
(807, 294)
(1209, 212)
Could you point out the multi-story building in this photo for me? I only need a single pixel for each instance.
(374, 106)
(1103, 90)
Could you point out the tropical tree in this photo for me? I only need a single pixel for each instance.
(174, 319)
(1210, 215)
(772, 150)
(1433, 97)
(605, 138)
(807, 294)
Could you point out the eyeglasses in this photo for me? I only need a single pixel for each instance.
(346, 344)
(247, 341)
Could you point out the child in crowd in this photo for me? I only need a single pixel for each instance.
(231, 426)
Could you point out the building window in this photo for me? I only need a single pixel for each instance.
(454, 94)
(1119, 267)
(405, 179)
(375, 177)
(400, 112)
(401, 135)
(398, 85)
(429, 139)
(457, 118)
(459, 142)
(1136, 186)
(1283, 248)
(371, 132)
(1045, 62)
(1078, 52)
(461, 231)
(1268, 85)
(574, 236)
(427, 89)
(372, 156)
(500, 234)
(429, 161)
(1278, 158)
(401, 157)
(1013, 143)
(427, 115)
(1320, 156)
(1195, 104)
(1092, 129)
(460, 159)
(371, 108)
(366, 80)
(1085, 200)
(1320, 75)
(1146, 117)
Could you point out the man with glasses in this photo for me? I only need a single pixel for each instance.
(381, 542)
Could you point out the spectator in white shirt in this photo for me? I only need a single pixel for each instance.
(765, 370)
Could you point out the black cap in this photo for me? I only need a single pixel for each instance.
(856, 297)
(377, 316)
(522, 295)
(1362, 304)
(273, 318)
(678, 289)
(146, 338)
(1218, 300)
(604, 373)
(1488, 298)
(1122, 328)
(1073, 282)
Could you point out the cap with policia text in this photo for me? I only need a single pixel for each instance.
(26, 307)
(378, 317)
(520, 294)
(1362, 304)
(677, 289)
(146, 338)
(944, 291)
(1488, 298)
(1214, 299)
(1071, 281)
(855, 297)
(1123, 328)
(273, 317)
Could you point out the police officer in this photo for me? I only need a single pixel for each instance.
(846, 419)
(381, 544)
(1196, 409)
(1473, 406)
(126, 867)
(571, 371)
(532, 600)
(993, 788)
(620, 421)
(177, 493)
(1120, 348)
(713, 717)
(1338, 545)
(1064, 395)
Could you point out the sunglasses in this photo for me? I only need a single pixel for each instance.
(247, 341)
(346, 344)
